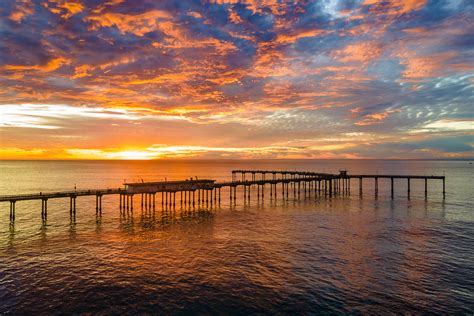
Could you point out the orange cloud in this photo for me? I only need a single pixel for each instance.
(375, 118)
(363, 52)
(397, 6)
(82, 71)
(22, 9)
(234, 17)
(291, 38)
(64, 8)
(418, 66)
(52, 65)
(138, 24)
(176, 77)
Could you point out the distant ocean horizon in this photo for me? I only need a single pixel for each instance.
(243, 159)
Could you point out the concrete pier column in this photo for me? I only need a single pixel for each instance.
(131, 202)
(235, 193)
(360, 185)
(426, 187)
(391, 187)
(376, 186)
(154, 198)
(219, 195)
(44, 208)
(162, 198)
(194, 198)
(409, 187)
(444, 188)
(12, 210)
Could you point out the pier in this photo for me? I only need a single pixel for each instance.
(207, 192)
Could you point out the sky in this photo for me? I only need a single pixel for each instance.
(143, 79)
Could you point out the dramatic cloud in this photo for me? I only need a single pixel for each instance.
(146, 79)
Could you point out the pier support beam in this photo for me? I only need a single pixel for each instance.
(44, 208)
(98, 203)
(391, 187)
(376, 186)
(426, 188)
(409, 187)
(12, 210)
(444, 188)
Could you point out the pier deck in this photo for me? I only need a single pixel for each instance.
(325, 184)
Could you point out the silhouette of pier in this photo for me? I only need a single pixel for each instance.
(207, 192)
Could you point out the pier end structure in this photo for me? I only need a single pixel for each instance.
(168, 186)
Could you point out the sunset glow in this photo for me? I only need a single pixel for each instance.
(236, 79)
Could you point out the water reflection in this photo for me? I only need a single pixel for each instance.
(43, 230)
(11, 236)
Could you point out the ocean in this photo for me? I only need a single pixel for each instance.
(309, 255)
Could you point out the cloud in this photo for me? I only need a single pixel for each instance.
(396, 7)
(65, 8)
(21, 10)
(51, 65)
(123, 75)
(138, 24)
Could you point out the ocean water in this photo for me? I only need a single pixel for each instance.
(348, 254)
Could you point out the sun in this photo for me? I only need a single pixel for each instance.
(132, 155)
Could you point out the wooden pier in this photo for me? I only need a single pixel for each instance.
(208, 192)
